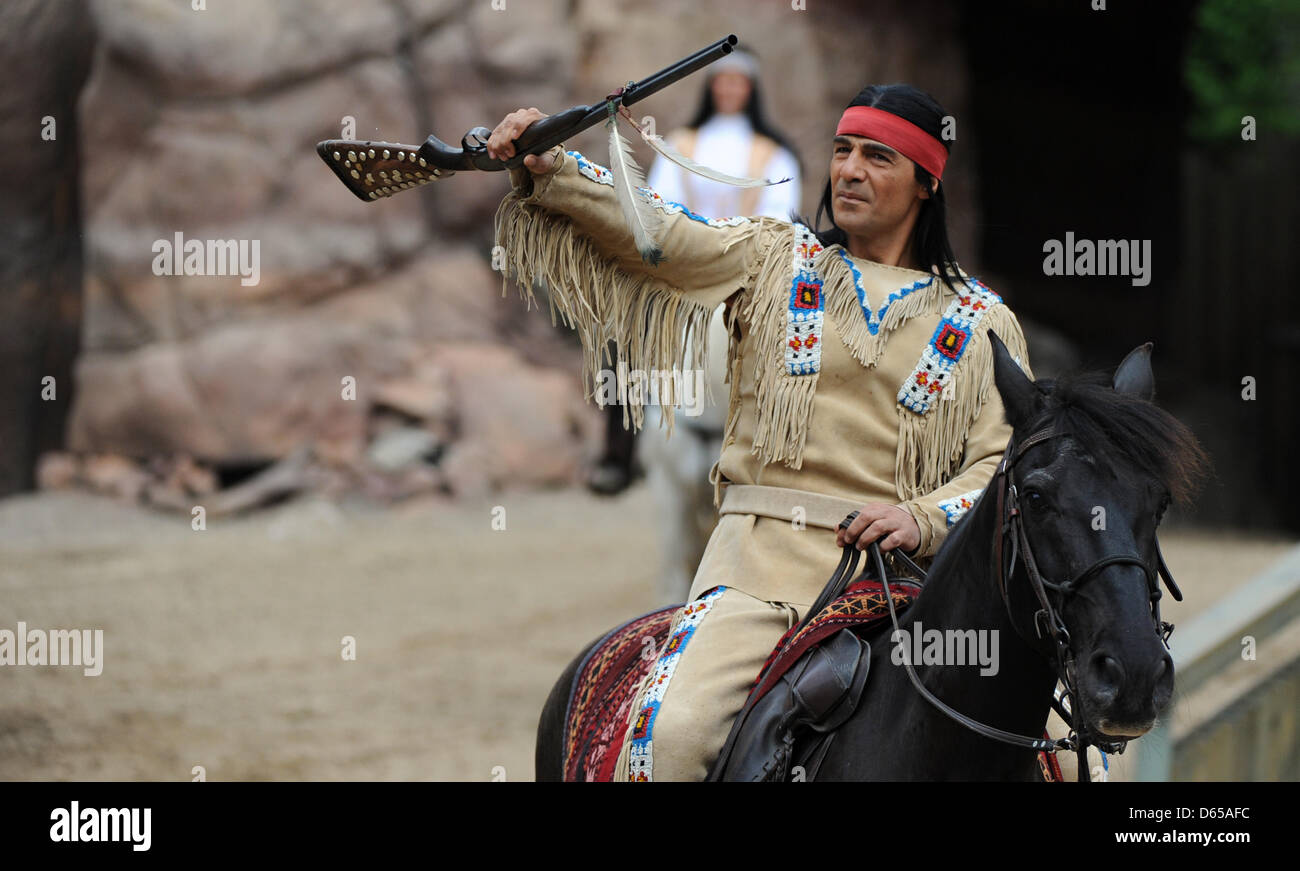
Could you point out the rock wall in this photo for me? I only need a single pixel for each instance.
(40, 236)
(203, 122)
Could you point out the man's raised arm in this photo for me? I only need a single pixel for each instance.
(562, 227)
(705, 259)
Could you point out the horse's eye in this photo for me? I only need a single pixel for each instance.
(1160, 512)
(1033, 497)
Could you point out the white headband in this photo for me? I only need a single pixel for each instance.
(737, 61)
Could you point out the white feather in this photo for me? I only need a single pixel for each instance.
(660, 145)
(643, 220)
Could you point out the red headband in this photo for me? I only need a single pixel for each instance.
(910, 141)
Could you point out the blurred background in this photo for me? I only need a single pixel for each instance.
(128, 398)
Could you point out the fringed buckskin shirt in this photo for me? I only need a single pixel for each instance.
(848, 378)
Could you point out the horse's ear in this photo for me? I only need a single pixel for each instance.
(1021, 399)
(1134, 375)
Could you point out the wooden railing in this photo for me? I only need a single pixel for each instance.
(1234, 717)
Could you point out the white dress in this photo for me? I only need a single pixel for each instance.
(723, 143)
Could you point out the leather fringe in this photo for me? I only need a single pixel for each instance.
(735, 362)
(784, 401)
(843, 308)
(931, 446)
(655, 326)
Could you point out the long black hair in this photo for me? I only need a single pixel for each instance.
(753, 111)
(930, 236)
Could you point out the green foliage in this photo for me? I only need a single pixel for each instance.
(1244, 59)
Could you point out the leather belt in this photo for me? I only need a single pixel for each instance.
(780, 503)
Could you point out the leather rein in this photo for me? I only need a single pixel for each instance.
(1046, 619)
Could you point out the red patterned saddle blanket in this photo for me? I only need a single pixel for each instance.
(861, 607)
(600, 701)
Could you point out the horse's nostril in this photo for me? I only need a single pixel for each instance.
(1109, 674)
(1162, 682)
(1164, 672)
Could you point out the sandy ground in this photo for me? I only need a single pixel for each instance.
(223, 646)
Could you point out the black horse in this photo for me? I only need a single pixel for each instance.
(1094, 465)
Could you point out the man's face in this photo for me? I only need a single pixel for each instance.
(873, 187)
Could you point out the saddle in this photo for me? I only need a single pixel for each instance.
(815, 677)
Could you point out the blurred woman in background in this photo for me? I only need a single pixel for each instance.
(730, 133)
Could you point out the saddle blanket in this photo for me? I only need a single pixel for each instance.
(860, 607)
(604, 685)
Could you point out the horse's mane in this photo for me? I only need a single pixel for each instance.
(1119, 429)
(1125, 432)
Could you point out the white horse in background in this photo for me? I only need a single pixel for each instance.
(677, 473)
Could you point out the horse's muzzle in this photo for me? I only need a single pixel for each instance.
(1123, 699)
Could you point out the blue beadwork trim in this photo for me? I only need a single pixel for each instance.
(875, 319)
(955, 507)
(601, 175)
(641, 751)
(593, 171)
(671, 208)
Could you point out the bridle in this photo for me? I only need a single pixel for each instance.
(1047, 619)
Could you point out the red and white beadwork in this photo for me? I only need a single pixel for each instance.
(945, 349)
(805, 313)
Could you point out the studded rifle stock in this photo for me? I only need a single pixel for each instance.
(374, 170)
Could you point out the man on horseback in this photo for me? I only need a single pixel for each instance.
(861, 379)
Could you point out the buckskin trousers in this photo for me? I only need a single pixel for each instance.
(684, 709)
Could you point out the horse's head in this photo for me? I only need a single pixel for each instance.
(1095, 488)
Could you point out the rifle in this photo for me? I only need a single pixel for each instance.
(374, 170)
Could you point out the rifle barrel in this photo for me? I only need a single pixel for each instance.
(554, 129)
(678, 71)
(681, 69)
